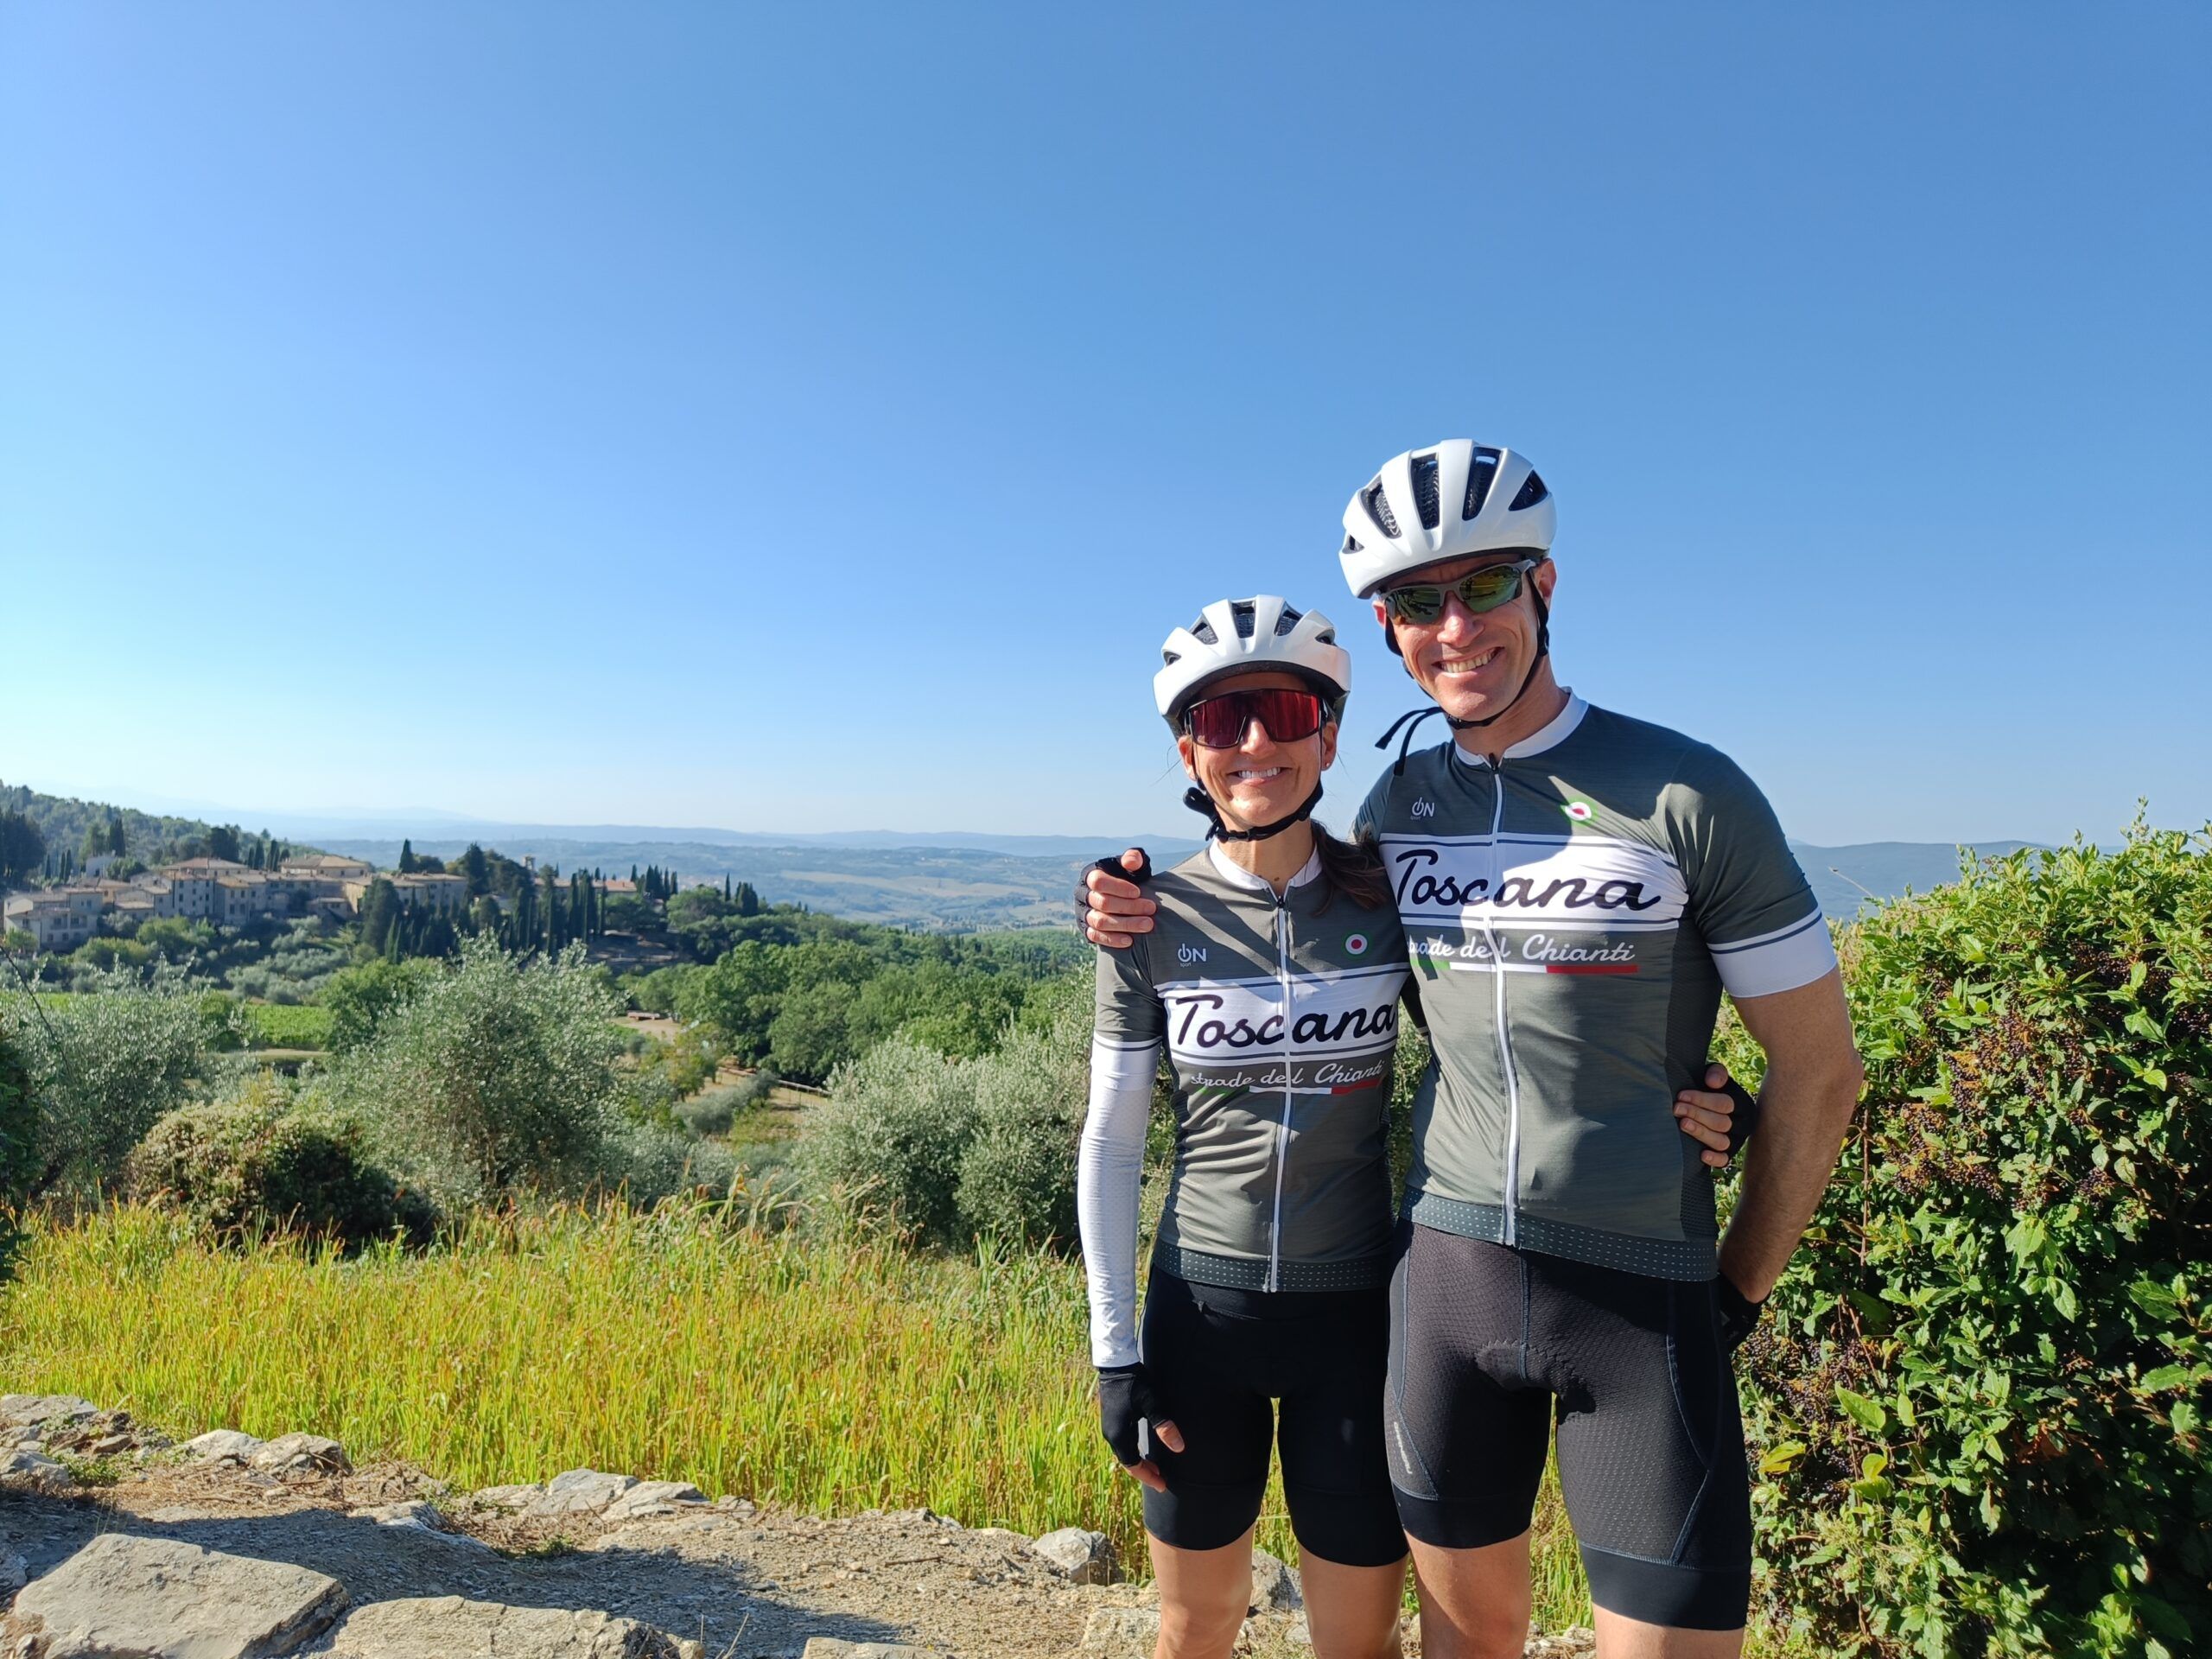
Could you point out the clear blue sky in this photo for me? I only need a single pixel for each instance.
(814, 418)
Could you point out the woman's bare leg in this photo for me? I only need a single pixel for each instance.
(1204, 1596)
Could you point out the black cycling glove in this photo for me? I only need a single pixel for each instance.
(1125, 1397)
(1745, 1119)
(1738, 1312)
(1141, 874)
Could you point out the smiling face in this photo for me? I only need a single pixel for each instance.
(1260, 781)
(1473, 663)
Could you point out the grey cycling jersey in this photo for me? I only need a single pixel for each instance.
(1574, 914)
(1279, 1017)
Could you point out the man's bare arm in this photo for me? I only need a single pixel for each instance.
(1813, 1079)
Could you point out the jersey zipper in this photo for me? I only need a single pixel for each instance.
(1512, 1193)
(1283, 1130)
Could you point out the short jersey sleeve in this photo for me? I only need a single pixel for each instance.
(1747, 894)
(1129, 1013)
(1367, 822)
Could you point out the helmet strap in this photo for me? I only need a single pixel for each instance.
(1412, 721)
(1198, 801)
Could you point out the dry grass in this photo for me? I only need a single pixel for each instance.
(830, 1376)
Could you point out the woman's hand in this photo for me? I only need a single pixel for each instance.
(1718, 1117)
(1125, 1398)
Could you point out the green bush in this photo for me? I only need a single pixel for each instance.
(948, 1150)
(359, 999)
(498, 1073)
(648, 1163)
(1982, 1394)
(1017, 1176)
(888, 1146)
(714, 1110)
(104, 1065)
(262, 1162)
(19, 1157)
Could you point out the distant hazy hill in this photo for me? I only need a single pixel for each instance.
(63, 819)
(938, 879)
(925, 881)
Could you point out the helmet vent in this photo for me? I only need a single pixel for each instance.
(1352, 546)
(1482, 472)
(1287, 621)
(1378, 509)
(1531, 493)
(1240, 610)
(1425, 489)
(1202, 630)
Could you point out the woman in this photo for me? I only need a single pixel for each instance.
(1272, 980)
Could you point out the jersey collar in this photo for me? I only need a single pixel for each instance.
(1554, 732)
(1236, 875)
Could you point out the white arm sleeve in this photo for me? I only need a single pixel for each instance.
(1107, 1170)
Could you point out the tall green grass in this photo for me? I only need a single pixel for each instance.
(829, 1376)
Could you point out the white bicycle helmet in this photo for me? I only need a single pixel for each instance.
(1444, 502)
(1232, 636)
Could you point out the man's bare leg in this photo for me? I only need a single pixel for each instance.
(1620, 1637)
(1474, 1603)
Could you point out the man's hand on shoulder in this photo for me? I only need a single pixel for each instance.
(1111, 910)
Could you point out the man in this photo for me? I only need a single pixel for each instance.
(1576, 889)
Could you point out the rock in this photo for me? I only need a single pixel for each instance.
(579, 1491)
(289, 1454)
(35, 1467)
(653, 1497)
(506, 1497)
(108, 1446)
(222, 1443)
(46, 1412)
(831, 1647)
(1274, 1585)
(1573, 1642)
(159, 1598)
(443, 1627)
(15, 1574)
(1078, 1556)
(415, 1515)
(1121, 1632)
(735, 1505)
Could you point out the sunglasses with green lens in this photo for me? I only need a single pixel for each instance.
(1478, 590)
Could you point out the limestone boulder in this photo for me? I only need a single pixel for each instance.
(33, 1468)
(579, 1491)
(1274, 1585)
(45, 1412)
(653, 1497)
(1078, 1556)
(506, 1497)
(443, 1627)
(220, 1443)
(1121, 1632)
(297, 1455)
(833, 1647)
(161, 1598)
(415, 1515)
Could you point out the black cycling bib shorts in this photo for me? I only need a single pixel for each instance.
(1487, 1345)
(1221, 1359)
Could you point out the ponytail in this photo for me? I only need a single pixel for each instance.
(1353, 868)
